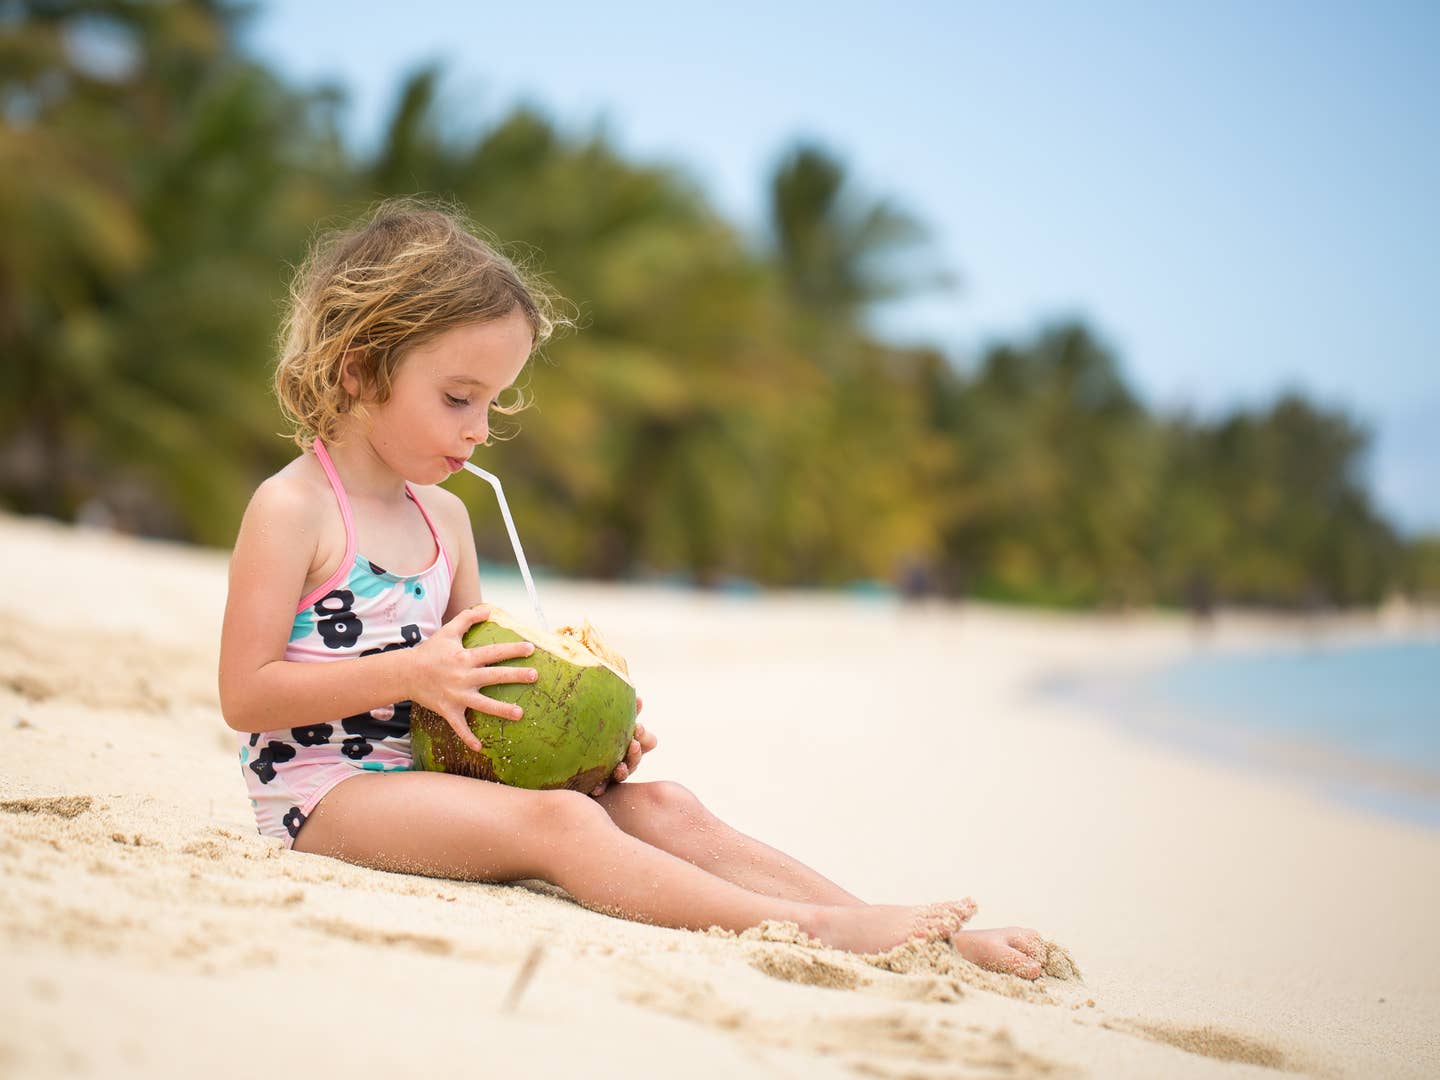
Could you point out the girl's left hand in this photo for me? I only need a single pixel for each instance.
(642, 743)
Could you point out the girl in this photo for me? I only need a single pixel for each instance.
(401, 334)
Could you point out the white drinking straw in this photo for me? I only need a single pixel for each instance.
(494, 482)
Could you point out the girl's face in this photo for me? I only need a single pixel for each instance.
(441, 395)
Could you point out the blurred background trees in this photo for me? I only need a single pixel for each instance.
(723, 414)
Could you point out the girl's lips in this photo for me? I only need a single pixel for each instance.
(456, 464)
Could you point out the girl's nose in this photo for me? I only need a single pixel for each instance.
(478, 432)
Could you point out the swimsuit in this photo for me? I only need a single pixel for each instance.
(361, 610)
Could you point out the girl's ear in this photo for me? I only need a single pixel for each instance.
(350, 372)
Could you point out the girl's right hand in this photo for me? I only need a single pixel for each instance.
(449, 676)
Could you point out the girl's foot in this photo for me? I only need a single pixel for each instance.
(963, 908)
(1015, 950)
(874, 928)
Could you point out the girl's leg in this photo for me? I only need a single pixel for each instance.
(441, 825)
(667, 816)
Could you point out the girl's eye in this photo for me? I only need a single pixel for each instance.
(459, 403)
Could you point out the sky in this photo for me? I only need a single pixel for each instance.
(1238, 198)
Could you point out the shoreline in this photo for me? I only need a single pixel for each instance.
(1342, 774)
(1349, 773)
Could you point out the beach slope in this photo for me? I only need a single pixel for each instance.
(1223, 922)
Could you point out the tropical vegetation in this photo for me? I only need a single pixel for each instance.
(723, 413)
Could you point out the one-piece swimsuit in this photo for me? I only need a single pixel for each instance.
(363, 609)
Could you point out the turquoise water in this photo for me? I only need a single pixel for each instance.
(1361, 722)
(1381, 700)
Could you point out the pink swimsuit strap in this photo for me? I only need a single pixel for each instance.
(351, 544)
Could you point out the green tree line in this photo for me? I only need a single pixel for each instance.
(722, 414)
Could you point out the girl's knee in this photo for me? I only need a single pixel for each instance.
(567, 812)
(667, 798)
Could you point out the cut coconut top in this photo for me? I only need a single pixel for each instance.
(582, 647)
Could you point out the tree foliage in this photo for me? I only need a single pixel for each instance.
(722, 413)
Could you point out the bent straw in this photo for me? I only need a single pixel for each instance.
(494, 482)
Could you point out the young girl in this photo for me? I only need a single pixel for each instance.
(401, 334)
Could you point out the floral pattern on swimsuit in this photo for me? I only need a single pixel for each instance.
(361, 611)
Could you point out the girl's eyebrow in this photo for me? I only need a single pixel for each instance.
(465, 379)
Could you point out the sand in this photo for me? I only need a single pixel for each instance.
(1205, 920)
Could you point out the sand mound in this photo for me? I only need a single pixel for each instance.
(787, 952)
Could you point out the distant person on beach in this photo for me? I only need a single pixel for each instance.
(402, 332)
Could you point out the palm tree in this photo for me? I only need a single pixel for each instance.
(146, 205)
(838, 250)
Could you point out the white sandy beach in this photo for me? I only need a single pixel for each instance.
(1224, 922)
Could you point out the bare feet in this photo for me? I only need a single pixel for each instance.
(963, 908)
(1015, 950)
(874, 928)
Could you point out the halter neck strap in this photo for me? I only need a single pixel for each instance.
(323, 456)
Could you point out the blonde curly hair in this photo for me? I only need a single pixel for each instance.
(410, 269)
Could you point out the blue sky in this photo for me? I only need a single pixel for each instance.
(1239, 198)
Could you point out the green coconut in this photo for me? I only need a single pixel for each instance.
(579, 715)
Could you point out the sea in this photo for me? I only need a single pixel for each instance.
(1359, 722)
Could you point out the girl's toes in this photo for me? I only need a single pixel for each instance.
(964, 908)
(1029, 969)
(1029, 943)
(1013, 962)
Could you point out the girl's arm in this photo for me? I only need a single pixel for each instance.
(262, 691)
(259, 690)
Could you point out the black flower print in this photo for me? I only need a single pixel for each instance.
(312, 734)
(254, 738)
(293, 820)
(341, 627)
(386, 722)
(341, 632)
(357, 748)
(335, 602)
(264, 764)
(402, 715)
(410, 632)
(376, 570)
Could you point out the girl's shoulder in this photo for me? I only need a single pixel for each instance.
(297, 492)
(281, 531)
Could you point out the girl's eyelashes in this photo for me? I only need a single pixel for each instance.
(460, 403)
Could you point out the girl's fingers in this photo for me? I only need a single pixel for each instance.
(486, 655)
(490, 707)
(621, 772)
(467, 618)
(494, 676)
(639, 704)
(463, 733)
